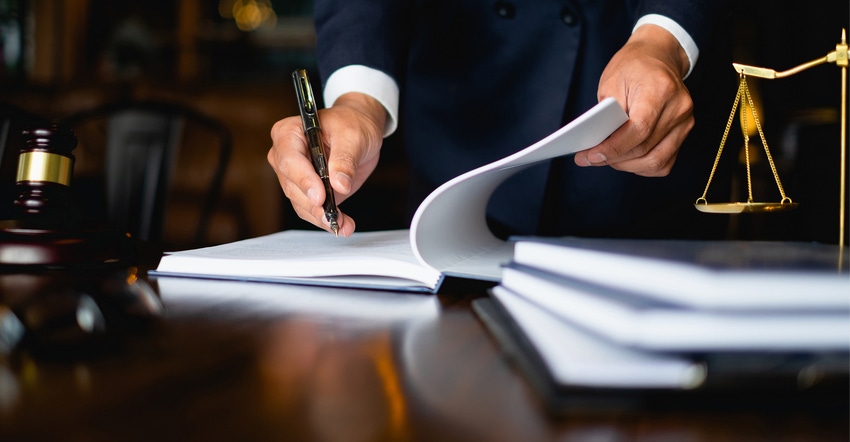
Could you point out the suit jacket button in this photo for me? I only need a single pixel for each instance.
(504, 9)
(569, 17)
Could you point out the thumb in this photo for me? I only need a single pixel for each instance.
(342, 167)
(354, 135)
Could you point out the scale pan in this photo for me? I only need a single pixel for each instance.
(744, 207)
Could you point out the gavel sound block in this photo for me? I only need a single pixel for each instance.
(45, 227)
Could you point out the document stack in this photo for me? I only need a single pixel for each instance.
(673, 315)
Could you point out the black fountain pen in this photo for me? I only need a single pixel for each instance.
(310, 118)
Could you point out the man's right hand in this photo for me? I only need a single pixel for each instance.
(352, 130)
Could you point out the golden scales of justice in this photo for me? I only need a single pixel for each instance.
(840, 58)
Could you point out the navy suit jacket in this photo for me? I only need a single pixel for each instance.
(482, 79)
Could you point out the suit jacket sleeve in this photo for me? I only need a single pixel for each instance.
(369, 33)
(697, 17)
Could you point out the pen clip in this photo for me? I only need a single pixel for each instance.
(306, 101)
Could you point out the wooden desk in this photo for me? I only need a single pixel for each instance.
(228, 362)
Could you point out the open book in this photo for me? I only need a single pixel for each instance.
(448, 234)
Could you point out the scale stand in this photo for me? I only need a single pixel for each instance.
(840, 57)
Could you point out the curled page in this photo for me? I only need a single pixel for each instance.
(449, 230)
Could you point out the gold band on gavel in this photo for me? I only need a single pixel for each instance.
(44, 166)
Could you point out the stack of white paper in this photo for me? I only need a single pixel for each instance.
(613, 311)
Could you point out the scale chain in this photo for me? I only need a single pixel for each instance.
(743, 91)
(764, 143)
(722, 144)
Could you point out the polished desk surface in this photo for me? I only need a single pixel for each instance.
(231, 360)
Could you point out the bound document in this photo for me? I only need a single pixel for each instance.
(602, 321)
(720, 275)
(448, 234)
(630, 320)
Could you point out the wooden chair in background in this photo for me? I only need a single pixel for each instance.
(135, 158)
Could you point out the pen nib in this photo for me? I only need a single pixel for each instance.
(335, 228)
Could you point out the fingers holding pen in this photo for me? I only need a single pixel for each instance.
(291, 162)
(352, 135)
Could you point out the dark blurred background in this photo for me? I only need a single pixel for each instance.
(231, 59)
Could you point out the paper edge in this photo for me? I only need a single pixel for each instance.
(607, 107)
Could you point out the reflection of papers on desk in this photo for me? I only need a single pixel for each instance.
(448, 234)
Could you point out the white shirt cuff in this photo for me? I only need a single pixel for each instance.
(685, 40)
(372, 82)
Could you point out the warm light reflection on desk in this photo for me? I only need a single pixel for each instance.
(335, 350)
(313, 368)
(250, 361)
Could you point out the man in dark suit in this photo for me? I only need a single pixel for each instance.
(472, 81)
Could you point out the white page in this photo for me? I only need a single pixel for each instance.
(308, 254)
(449, 230)
(578, 359)
(648, 325)
(448, 235)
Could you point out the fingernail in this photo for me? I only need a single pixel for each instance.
(344, 181)
(596, 157)
(313, 195)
